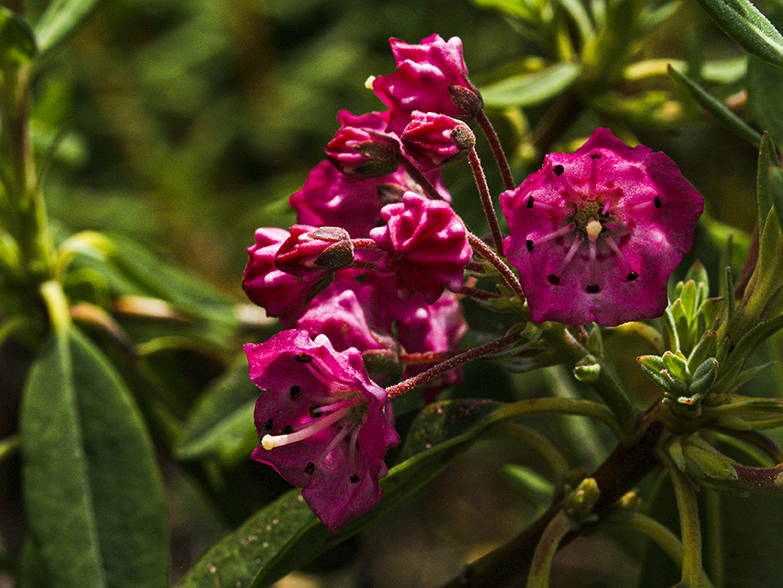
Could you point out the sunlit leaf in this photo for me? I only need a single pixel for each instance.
(94, 496)
(531, 88)
(17, 43)
(743, 22)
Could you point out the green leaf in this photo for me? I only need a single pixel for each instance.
(768, 163)
(750, 29)
(286, 534)
(95, 498)
(61, 19)
(716, 108)
(532, 88)
(765, 86)
(222, 422)
(17, 43)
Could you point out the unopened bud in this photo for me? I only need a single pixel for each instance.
(312, 253)
(435, 139)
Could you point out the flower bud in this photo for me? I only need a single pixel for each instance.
(362, 147)
(434, 139)
(313, 253)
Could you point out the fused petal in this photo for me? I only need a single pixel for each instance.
(322, 423)
(596, 234)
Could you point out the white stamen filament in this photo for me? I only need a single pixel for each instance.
(329, 382)
(554, 234)
(316, 426)
(572, 194)
(570, 255)
(635, 207)
(616, 250)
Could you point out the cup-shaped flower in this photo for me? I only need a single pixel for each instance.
(312, 253)
(430, 77)
(426, 246)
(279, 293)
(322, 423)
(362, 147)
(596, 234)
(433, 139)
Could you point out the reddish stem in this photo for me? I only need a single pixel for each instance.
(497, 149)
(451, 363)
(486, 199)
(508, 276)
(418, 176)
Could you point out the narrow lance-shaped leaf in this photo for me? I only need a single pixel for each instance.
(716, 108)
(94, 496)
(749, 28)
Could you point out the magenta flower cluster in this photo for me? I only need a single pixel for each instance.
(368, 282)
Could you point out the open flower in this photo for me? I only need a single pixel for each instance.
(596, 234)
(426, 245)
(322, 423)
(430, 77)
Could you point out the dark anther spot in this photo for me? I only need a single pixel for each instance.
(295, 392)
(553, 279)
(530, 202)
(558, 169)
(354, 478)
(314, 411)
(595, 156)
(529, 245)
(286, 430)
(592, 289)
(657, 202)
(304, 358)
(309, 468)
(631, 276)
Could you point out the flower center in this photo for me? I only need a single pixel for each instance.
(341, 408)
(588, 217)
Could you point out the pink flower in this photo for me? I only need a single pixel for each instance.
(322, 423)
(426, 245)
(596, 234)
(349, 313)
(280, 293)
(329, 197)
(430, 77)
(435, 139)
(312, 253)
(362, 147)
